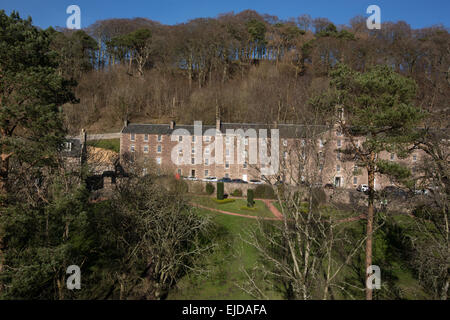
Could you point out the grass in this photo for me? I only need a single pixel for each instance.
(109, 144)
(235, 206)
(225, 265)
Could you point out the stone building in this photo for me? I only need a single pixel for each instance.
(306, 152)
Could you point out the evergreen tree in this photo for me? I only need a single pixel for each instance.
(377, 106)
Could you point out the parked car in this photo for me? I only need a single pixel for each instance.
(224, 179)
(254, 181)
(362, 188)
(210, 179)
(191, 178)
(238, 181)
(393, 191)
(329, 186)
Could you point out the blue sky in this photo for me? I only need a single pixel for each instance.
(53, 12)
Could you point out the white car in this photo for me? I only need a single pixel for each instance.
(256, 182)
(210, 179)
(191, 178)
(363, 188)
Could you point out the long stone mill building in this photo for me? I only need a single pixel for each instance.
(306, 153)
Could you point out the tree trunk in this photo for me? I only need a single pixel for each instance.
(369, 229)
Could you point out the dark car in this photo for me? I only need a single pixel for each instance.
(329, 186)
(238, 181)
(391, 191)
(225, 180)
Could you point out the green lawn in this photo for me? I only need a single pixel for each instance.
(261, 209)
(110, 144)
(225, 265)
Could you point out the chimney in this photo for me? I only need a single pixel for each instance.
(125, 123)
(172, 125)
(218, 123)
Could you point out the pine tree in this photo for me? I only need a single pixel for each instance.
(376, 105)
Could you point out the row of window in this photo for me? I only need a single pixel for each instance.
(146, 148)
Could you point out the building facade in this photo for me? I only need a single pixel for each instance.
(306, 153)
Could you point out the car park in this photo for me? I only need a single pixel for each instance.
(210, 179)
(238, 181)
(362, 188)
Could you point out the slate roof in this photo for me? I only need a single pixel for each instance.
(286, 130)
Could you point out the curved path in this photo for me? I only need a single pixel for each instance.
(232, 213)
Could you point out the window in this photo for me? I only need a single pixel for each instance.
(132, 148)
(159, 138)
(179, 172)
(285, 154)
(193, 150)
(303, 143)
(133, 137)
(339, 143)
(206, 150)
(339, 132)
(227, 175)
(392, 156)
(146, 137)
(355, 168)
(180, 151)
(245, 165)
(227, 152)
(193, 138)
(320, 167)
(159, 148)
(145, 148)
(227, 164)
(206, 173)
(158, 160)
(321, 143)
(338, 155)
(355, 180)
(192, 160)
(338, 168)
(144, 171)
(414, 157)
(207, 138)
(227, 139)
(206, 162)
(180, 138)
(245, 141)
(284, 142)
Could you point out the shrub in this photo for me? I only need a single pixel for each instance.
(318, 197)
(250, 197)
(237, 193)
(220, 188)
(209, 188)
(264, 192)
